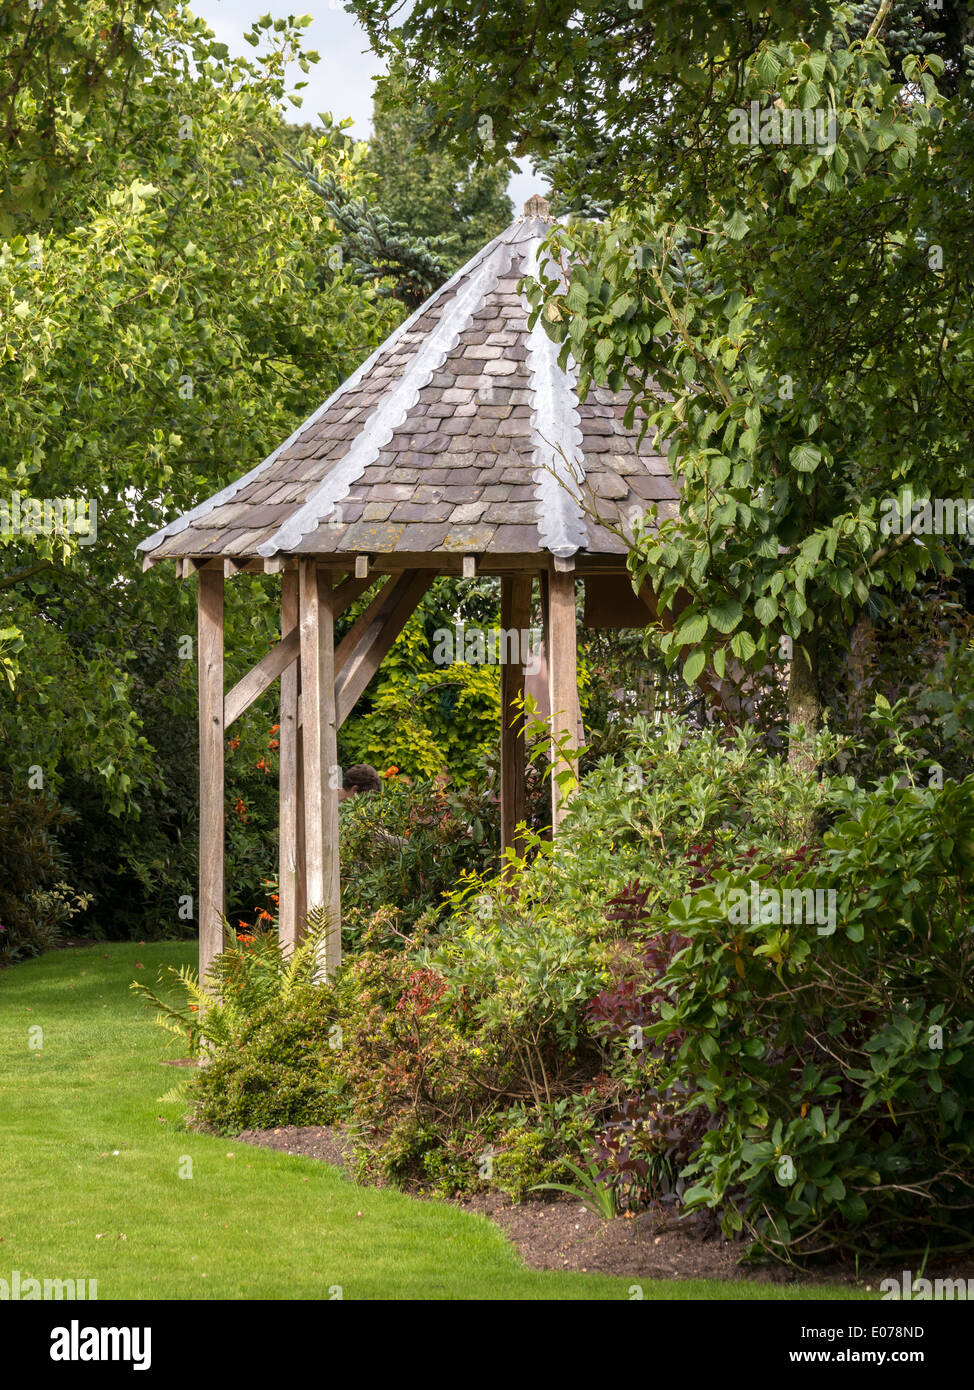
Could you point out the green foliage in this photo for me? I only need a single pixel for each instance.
(788, 455)
(253, 972)
(47, 124)
(164, 323)
(793, 317)
(668, 790)
(835, 1059)
(278, 1070)
(479, 1043)
(35, 901)
(591, 1190)
(382, 252)
(499, 81)
(809, 1079)
(430, 189)
(920, 661)
(262, 1028)
(422, 718)
(410, 1075)
(406, 847)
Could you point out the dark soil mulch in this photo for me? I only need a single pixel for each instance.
(311, 1141)
(559, 1233)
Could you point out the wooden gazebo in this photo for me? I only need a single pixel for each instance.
(459, 448)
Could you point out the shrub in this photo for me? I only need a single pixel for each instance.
(264, 1028)
(35, 901)
(411, 1077)
(480, 1040)
(534, 1145)
(278, 1070)
(407, 846)
(837, 1065)
(606, 1005)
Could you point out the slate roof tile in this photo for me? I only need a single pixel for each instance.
(459, 472)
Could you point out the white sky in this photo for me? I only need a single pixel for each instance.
(342, 81)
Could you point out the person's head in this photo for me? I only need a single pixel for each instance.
(361, 778)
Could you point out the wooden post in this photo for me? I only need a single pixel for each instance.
(562, 679)
(320, 754)
(209, 655)
(515, 617)
(291, 903)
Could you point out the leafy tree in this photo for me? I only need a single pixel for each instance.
(162, 327)
(380, 251)
(432, 191)
(793, 318)
(66, 69)
(425, 212)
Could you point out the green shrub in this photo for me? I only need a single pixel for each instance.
(534, 1145)
(277, 1071)
(407, 846)
(35, 901)
(837, 1065)
(265, 1030)
(607, 1005)
(480, 1040)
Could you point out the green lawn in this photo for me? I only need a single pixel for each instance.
(91, 1187)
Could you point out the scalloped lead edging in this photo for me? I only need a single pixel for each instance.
(556, 435)
(394, 406)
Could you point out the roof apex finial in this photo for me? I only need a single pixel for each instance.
(536, 206)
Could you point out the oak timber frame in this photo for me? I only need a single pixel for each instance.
(320, 684)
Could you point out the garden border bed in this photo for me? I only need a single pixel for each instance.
(558, 1233)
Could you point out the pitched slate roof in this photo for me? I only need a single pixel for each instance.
(456, 435)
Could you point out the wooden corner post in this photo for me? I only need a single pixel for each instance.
(515, 624)
(209, 654)
(292, 907)
(319, 727)
(562, 681)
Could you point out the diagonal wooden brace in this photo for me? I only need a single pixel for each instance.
(360, 653)
(259, 678)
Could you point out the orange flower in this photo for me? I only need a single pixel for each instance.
(273, 745)
(233, 743)
(275, 899)
(275, 728)
(265, 916)
(261, 764)
(390, 772)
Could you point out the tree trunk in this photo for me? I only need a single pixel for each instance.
(804, 703)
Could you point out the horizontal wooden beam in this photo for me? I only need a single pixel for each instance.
(251, 686)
